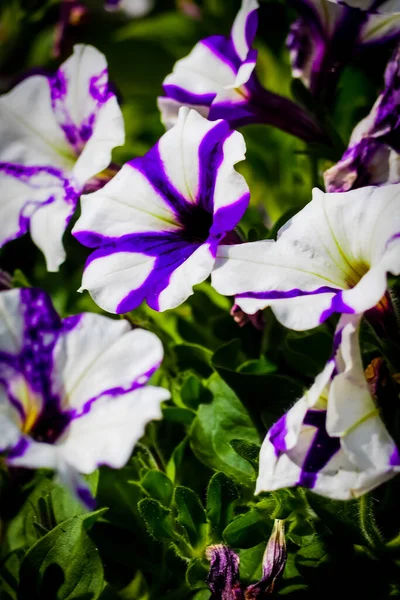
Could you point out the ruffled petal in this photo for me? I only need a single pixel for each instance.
(107, 434)
(333, 256)
(102, 357)
(87, 110)
(333, 439)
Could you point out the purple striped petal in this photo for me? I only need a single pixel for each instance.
(332, 440)
(326, 35)
(188, 198)
(59, 132)
(372, 157)
(76, 388)
(319, 265)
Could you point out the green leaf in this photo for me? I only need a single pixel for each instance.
(9, 574)
(202, 595)
(340, 517)
(214, 428)
(261, 366)
(122, 495)
(178, 415)
(48, 505)
(248, 530)
(64, 564)
(193, 392)
(191, 515)
(222, 492)
(196, 573)
(193, 357)
(307, 352)
(251, 563)
(265, 396)
(249, 452)
(158, 520)
(158, 486)
(175, 462)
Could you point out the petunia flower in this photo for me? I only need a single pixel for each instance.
(57, 133)
(218, 79)
(223, 578)
(327, 34)
(331, 257)
(157, 224)
(72, 391)
(132, 8)
(372, 157)
(333, 439)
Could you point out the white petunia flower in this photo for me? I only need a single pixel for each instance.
(333, 440)
(57, 132)
(73, 392)
(156, 225)
(332, 257)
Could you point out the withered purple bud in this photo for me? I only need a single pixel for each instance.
(274, 561)
(223, 577)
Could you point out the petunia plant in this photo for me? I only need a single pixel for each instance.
(199, 299)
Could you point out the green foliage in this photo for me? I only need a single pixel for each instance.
(190, 481)
(215, 426)
(63, 564)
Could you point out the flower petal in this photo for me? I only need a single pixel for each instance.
(379, 28)
(195, 269)
(108, 433)
(87, 110)
(332, 256)
(9, 432)
(111, 278)
(136, 207)
(333, 440)
(11, 322)
(185, 153)
(244, 28)
(47, 227)
(102, 357)
(28, 128)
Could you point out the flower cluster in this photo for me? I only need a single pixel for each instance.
(73, 390)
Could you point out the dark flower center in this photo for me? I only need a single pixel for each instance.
(196, 222)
